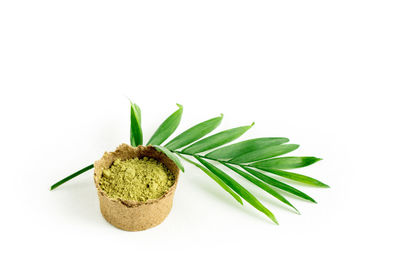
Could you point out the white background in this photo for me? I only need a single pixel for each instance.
(323, 73)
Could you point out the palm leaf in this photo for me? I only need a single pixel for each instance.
(167, 127)
(262, 185)
(240, 190)
(216, 179)
(237, 149)
(170, 155)
(298, 177)
(278, 184)
(136, 137)
(253, 154)
(284, 163)
(264, 153)
(216, 140)
(194, 133)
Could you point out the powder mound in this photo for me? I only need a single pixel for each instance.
(136, 179)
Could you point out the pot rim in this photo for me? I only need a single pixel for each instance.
(129, 148)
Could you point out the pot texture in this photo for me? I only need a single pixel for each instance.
(131, 215)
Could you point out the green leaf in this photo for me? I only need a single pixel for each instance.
(136, 129)
(278, 184)
(216, 140)
(66, 179)
(240, 190)
(216, 179)
(262, 185)
(166, 128)
(194, 133)
(298, 177)
(170, 155)
(237, 149)
(139, 113)
(285, 163)
(264, 153)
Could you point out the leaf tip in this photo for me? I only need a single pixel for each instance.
(179, 106)
(295, 209)
(221, 115)
(54, 186)
(128, 99)
(324, 185)
(272, 217)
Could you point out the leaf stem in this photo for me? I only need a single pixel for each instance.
(205, 157)
(66, 179)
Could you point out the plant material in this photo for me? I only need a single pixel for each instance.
(250, 159)
(285, 163)
(216, 179)
(136, 179)
(194, 133)
(66, 179)
(261, 185)
(244, 147)
(278, 184)
(136, 128)
(264, 153)
(216, 140)
(170, 155)
(167, 127)
(240, 190)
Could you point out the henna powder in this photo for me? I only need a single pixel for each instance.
(136, 179)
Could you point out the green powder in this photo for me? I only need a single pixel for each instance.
(136, 179)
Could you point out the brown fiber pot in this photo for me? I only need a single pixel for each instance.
(127, 214)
